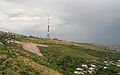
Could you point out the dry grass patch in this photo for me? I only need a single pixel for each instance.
(38, 68)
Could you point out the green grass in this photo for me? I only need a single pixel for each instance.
(17, 64)
(59, 58)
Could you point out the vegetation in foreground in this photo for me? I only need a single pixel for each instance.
(59, 58)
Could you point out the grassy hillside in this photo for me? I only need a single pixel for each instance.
(60, 58)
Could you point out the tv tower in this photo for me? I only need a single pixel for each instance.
(48, 34)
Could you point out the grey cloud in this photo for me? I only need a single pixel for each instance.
(17, 1)
(94, 21)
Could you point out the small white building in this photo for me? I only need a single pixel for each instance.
(118, 65)
(10, 41)
(93, 66)
(105, 62)
(85, 66)
(79, 69)
(91, 69)
(118, 60)
(0, 43)
(105, 67)
(76, 72)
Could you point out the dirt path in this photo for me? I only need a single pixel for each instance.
(32, 47)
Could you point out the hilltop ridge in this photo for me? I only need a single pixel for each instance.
(58, 58)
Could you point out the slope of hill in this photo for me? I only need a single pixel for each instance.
(60, 58)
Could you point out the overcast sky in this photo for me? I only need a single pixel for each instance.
(90, 21)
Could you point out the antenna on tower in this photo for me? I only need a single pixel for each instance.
(48, 33)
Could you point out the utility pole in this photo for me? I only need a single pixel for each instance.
(48, 33)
